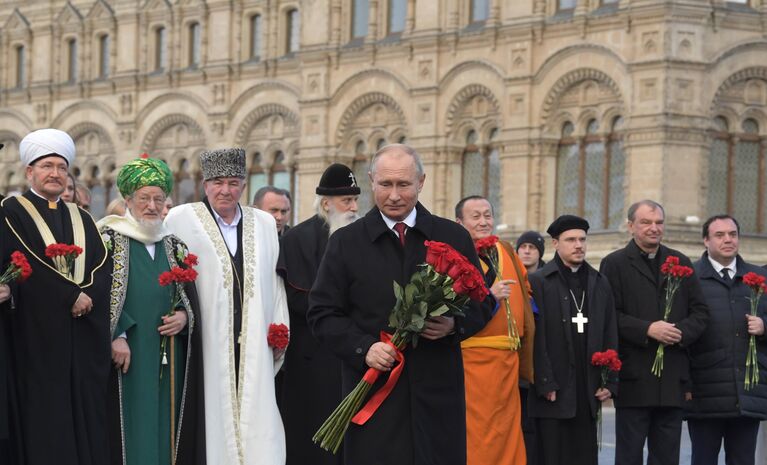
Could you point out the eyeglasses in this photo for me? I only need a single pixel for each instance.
(143, 201)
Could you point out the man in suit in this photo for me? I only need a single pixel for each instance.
(650, 407)
(423, 420)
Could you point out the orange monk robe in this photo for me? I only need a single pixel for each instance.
(492, 371)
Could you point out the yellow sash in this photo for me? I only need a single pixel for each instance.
(48, 239)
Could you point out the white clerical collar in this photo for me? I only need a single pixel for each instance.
(221, 222)
(574, 269)
(718, 267)
(35, 192)
(409, 220)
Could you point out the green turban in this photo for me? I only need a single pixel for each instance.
(143, 172)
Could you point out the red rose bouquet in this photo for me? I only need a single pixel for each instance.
(674, 273)
(757, 284)
(440, 287)
(19, 269)
(278, 337)
(64, 256)
(177, 276)
(608, 361)
(486, 247)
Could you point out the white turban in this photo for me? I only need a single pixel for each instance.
(43, 142)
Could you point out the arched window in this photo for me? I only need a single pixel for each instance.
(255, 37)
(480, 10)
(281, 176)
(195, 42)
(481, 168)
(72, 60)
(380, 143)
(360, 168)
(104, 43)
(590, 174)
(21, 66)
(293, 30)
(160, 49)
(397, 16)
(99, 198)
(257, 177)
(736, 174)
(360, 18)
(187, 187)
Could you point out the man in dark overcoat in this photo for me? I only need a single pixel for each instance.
(649, 407)
(311, 375)
(422, 422)
(576, 319)
(5, 303)
(721, 409)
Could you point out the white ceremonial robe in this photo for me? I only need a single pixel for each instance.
(243, 426)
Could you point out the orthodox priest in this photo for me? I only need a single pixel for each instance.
(157, 356)
(423, 420)
(240, 296)
(576, 319)
(311, 386)
(493, 361)
(60, 326)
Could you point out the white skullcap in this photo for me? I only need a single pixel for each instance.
(43, 142)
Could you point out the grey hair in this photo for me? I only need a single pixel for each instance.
(647, 203)
(318, 208)
(401, 148)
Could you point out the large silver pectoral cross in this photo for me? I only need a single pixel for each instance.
(579, 320)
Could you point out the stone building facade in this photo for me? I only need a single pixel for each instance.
(546, 106)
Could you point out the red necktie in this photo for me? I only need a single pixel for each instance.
(400, 228)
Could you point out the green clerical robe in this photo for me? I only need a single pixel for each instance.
(139, 408)
(146, 394)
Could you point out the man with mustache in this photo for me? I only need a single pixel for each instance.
(240, 296)
(60, 324)
(649, 407)
(576, 319)
(141, 398)
(311, 386)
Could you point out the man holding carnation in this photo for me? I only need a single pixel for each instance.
(649, 407)
(423, 421)
(60, 323)
(312, 376)
(576, 318)
(241, 296)
(157, 355)
(723, 408)
(495, 358)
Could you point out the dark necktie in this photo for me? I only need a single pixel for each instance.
(726, 275)
(400, 228)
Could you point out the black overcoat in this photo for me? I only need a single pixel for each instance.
(718, 358)
(554, 352)
(639, 301)
(60, 364)
(311, 378)
(4, 348)
(423, 421)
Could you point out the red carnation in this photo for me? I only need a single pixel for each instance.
(485, 243)
(18, 270)
(753, 280)
(190, 260)
(278, 337)
(166, 278)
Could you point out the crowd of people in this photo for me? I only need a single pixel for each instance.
(150, 336)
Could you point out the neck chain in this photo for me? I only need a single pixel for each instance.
(578, 308)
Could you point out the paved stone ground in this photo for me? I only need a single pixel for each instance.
(607, 454)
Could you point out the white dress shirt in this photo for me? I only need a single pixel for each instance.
(718, 267)
(409, 221)
(229, 231)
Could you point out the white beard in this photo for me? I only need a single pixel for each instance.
(337, 220)
(150, 227)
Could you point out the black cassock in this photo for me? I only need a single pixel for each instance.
(311, 375)
(60, 364)
(4, 348)
(566, 428)
(423, 421)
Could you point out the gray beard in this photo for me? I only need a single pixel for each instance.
(150, 227)
(337, 220)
